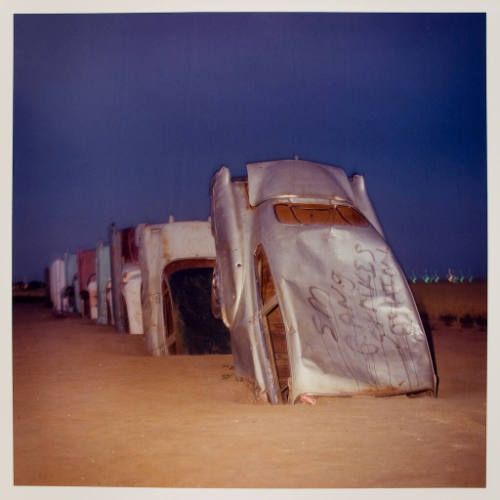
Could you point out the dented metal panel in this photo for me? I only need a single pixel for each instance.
(339, 317)
(159, 246)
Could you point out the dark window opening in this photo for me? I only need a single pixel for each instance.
(340, 215)
(190, 326)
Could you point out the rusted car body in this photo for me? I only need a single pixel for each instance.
(87, 282)
(125, 281)
(315, 300)
(176, 260)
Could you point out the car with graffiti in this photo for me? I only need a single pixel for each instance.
(312, 294)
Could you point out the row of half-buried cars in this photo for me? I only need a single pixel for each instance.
(293, 261)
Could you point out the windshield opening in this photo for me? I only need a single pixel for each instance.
(331, 215)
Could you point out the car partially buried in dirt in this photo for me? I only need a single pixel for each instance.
(57, 285)
(86, 260)
(125, 285)
(177, 261)
(131, 297)
(71, 299)
(103, 276)
(314, 298)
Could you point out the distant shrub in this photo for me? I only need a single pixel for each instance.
(467, 321)
(448, 319)
(35, 285)
(481, 322)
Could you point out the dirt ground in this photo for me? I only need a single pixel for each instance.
(91, 407)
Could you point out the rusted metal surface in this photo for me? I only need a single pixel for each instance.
(169, 246)
(86, 267)
(103, 275)
(57, 285)
(129, 250)
(350, 322)
(86, 270)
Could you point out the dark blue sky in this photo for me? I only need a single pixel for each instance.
(125, 118)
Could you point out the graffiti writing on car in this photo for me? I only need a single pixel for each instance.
(361, 314)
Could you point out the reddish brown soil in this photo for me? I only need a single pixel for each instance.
(92, 408)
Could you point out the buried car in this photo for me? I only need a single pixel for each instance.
(131, 298)
(57, 285)
(125, 286)
(315, 301)
(86, 260)
(71, 299)
(103, 276)
(177, 260)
